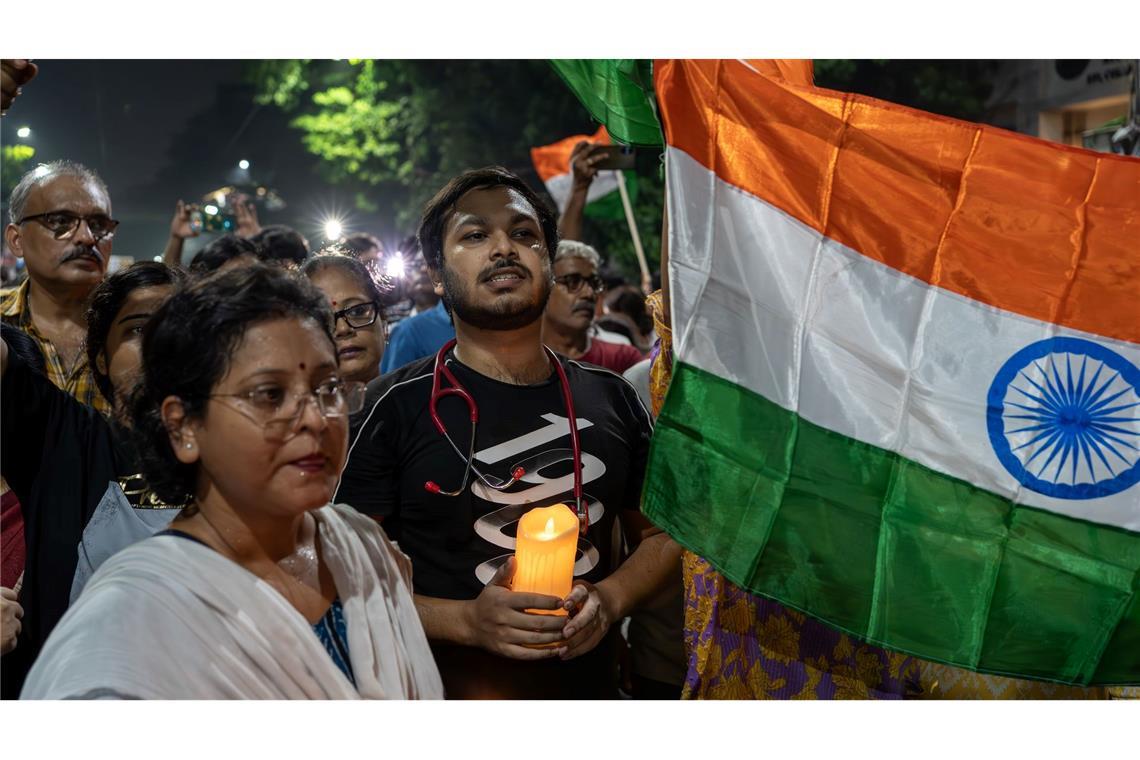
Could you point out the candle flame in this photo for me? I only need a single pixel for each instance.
(549, 526)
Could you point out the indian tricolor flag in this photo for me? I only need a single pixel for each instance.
(906, 397)
(552, 163)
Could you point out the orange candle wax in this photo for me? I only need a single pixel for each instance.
(546, 543)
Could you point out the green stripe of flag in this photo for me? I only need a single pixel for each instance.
(887, 549)
(618, 93)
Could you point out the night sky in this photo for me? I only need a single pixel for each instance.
(162, 130)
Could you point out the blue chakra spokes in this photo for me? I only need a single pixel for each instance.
(1064, 419)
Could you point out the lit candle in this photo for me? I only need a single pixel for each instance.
(546, 543)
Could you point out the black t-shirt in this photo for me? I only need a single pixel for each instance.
(457, 543)
(58, 455)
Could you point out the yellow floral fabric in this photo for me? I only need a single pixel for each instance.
(947, 682)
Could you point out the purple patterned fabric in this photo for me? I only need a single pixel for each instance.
(742, 646)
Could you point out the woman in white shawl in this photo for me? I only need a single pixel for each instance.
(261, 588)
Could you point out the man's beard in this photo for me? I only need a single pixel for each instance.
(505, 314)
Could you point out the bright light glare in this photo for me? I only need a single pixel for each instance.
(158, 258)
(24, 132)
(243, 164)
(333, 228)
(210, 209)
(395, 267)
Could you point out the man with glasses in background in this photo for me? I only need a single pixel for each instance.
(569, 313)
(61, 225)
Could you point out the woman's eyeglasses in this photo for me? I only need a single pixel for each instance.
(277, 410)
(360, 315)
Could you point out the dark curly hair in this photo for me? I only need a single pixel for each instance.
(217, 253)
(440, 208)
(187, 347)
(281, 245)
(106, 302)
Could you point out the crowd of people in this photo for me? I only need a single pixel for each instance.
(235, 477)
(274, 472)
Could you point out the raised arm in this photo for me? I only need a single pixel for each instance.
(180, 229)
(582, 161)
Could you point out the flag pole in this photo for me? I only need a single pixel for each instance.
(646, 280)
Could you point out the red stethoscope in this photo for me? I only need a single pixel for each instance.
(438, 393)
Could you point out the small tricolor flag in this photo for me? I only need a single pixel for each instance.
(552, 163)
(906, 391)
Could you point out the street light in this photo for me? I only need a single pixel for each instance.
(24, 132)
(333, 228)
(394, 267)
(243, 164)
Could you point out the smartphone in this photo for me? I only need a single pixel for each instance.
(206, 220)
(616, 157)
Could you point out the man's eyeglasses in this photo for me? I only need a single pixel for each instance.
(63, 224)
(277, 410)
(573, 282)
(360, 315)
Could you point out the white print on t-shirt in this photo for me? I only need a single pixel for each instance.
(490, 527)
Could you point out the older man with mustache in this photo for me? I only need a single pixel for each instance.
(61, 225)
(570, 311)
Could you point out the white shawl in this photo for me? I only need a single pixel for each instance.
(169, 618)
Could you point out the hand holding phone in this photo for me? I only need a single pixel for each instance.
(613, 157)
(211, 219)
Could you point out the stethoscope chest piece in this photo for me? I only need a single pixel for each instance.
(438, 393)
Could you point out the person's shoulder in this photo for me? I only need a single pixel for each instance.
(366, 528)
(616, 348)
(437, 313)
(599, 382)
(410, 380)
(594, 376)
(398, 329)
(401, 376)
(614, 356)
(419, 321)
(145, 561)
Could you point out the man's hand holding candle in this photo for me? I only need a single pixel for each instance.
(498, 621)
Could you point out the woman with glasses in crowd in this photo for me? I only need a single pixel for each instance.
(260, 588)
(73, 469)
(355, 297)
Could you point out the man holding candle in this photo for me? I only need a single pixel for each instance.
(488, 241)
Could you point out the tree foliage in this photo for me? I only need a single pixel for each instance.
(14, 159)
(393, 132)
